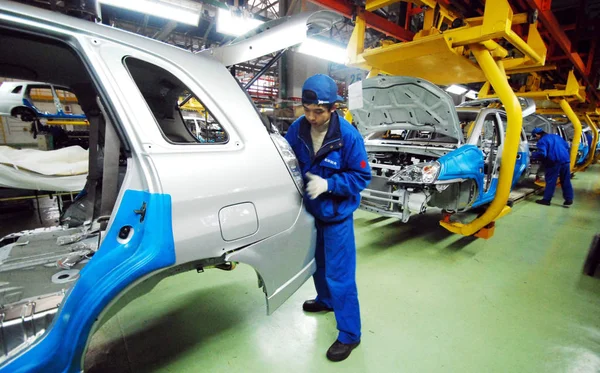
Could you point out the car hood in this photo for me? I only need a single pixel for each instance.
(399, 102)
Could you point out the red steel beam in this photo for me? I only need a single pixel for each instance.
(557, 58)
(591, 55)
(551, 24)
(373, 20)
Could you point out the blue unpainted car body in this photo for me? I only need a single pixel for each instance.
(115, 266)
(582, 153)
(425, 152)
(60, 114)
(467, 162)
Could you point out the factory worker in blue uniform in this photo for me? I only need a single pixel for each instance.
(554, 150)
(589, 137)
(333, 160)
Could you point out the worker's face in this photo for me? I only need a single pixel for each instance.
(538, 136)
(317, 115)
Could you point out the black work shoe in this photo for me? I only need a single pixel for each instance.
(568, 203)
(340, 351)
(314, 306)
(543, 202)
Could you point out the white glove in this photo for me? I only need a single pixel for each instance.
(316, 185)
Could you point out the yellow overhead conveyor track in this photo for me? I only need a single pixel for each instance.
(466, 54)
(572, 92)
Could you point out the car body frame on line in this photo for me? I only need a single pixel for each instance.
(16, 101)
(415, 140)
(584, 147)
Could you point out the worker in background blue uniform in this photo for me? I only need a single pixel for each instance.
(333, 160)
(554, 150)
(589, 137)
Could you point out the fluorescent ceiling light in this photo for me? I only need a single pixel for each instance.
(471, 94)
(456, 89)
(326, 51)
(160, 9)
(229, 24)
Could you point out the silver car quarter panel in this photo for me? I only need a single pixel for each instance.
(238, 221)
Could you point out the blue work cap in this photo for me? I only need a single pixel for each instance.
(320, 89)
(536, 131)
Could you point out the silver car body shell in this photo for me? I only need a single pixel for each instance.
(401, 103)
(205, 182)
(10, 101)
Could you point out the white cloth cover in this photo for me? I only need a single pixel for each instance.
(63, 170)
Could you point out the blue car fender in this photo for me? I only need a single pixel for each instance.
(118, 263)
(465, 162)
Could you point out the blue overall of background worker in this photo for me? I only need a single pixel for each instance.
(554, 150)
(589, 137)
(333, 159)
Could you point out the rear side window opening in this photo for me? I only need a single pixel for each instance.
(180, 115)
(17, 89)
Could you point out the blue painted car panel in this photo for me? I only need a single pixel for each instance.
(583, 153)
(523, 160)
(117, 264)
(488, 196)
(465, 162)
(60, 114)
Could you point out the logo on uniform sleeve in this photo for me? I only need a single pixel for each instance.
(363, 164)
(333, 163)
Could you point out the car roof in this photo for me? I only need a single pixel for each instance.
(79, 26)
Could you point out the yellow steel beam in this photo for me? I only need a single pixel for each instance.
(373, 73)
(542, 111)
(535, 41)
(431, 49)
(517, 19)
(372, 5)
(576, 126)
(443, 11)
(526, 70)
(52, 122)
(572, 91)
(428, 19)
(356, 44)
(496, 75)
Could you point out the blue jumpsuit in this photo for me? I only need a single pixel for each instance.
(589, 138)
(555, 152)
(342, 161)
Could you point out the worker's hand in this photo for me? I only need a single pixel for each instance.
(316, 185)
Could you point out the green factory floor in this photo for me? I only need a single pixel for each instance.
(430, 302)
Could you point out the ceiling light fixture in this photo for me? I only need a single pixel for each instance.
(324, 50)
(230, 24)
(456, 89)
(471, 94)
(162, 9)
